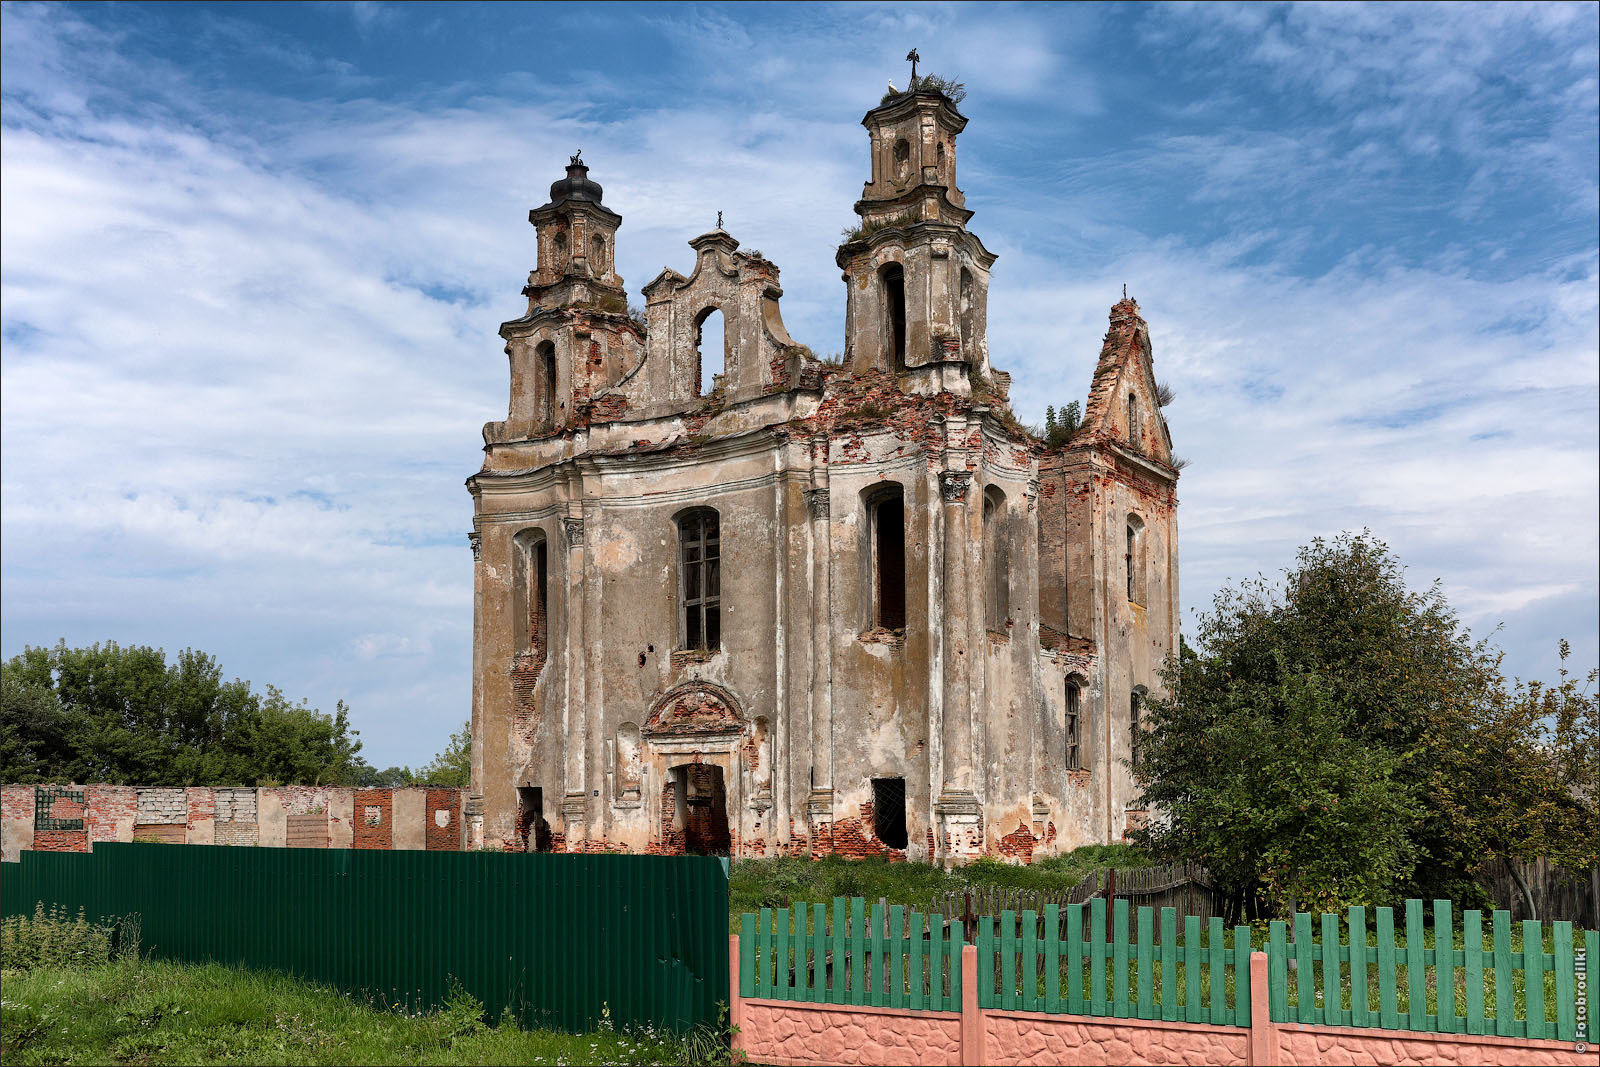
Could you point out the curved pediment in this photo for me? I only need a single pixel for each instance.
(694, 708)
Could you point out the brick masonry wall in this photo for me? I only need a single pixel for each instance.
(113, 811)
(237, 833)
(162, 805)
(61, 841)
(235, 805)
(445, 838)
(374, 819)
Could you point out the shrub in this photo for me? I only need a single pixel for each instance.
(49, 938)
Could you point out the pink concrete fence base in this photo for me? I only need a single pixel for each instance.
(793, 1033)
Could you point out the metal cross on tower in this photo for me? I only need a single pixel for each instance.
(913, 57)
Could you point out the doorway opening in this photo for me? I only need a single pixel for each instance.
(532, 828)
(699, 810)
(889, 811)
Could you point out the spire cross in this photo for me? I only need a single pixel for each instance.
(913, 57)
(719, 220)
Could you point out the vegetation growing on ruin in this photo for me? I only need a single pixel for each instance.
(1337, 738)
(949, 88)
(862, 230)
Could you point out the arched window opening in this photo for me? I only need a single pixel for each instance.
(996, 559)
(1133, 559)
(894, 325)
(968, 314)
(597, 254)
(545, 360)
(887, 524)
(700, 580)
(532, 597)
(1135, 436)
(889, 811)
(711, 351)
(1135, 728)
(902, 159)
(1074, 752)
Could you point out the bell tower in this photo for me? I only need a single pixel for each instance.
(918, 280)
(577, 244)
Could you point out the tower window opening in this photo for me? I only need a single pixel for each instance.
(997, 562)
(1133, 558)
(547, 382)
(1134, 435)
(889, 811)
(894, 295)
(887, 520)
(711, 352)
(1074, 752)
(1135, 729)
(902, 159)
(700, 580)
(597, 254)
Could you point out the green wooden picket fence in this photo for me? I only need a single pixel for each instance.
(1499, 990)
(1088, 959)
(895, 960)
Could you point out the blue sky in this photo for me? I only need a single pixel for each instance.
(253, 258)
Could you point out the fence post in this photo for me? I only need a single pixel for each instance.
(735, 1002)
(1263, 1033)
(971, 1016)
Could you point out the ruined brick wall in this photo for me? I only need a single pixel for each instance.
(374, 819)
(443, 832)
(236, 817)
(112, 812)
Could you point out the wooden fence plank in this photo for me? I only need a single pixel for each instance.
(1416, 969)
(747, 955)
(1146, 964)
(1305, 974)
(1052, 958)
(1332, 1011)
(1566, 1009)
(1119, 958)
(1444, 966)
(914, 962)
(1169, 964)
(802, 914)
(1218, 971)
(1193, 966)
(764, 972)
(875, 956)
(837, 994)
(1472, 946)
(1097, 956)
(819, 952)
(1388, 1000)
(1360, 1013)
(897, 967)
(1075, 999)
(783, 988)
(1030, 960)
(858, 951)
(1008, 960)
(1533, 975)
(1241, 975)
(1502, 975)
(1591, 957)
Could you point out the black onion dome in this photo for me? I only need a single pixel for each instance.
(575, 186)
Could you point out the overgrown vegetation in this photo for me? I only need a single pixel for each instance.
(52, 938)
(776, 883)
(862, 230)
(949, 88)
(1060, 426)
(1338, 739)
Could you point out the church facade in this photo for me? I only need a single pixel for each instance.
(799, 607)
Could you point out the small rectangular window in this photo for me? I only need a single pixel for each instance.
(889, 811)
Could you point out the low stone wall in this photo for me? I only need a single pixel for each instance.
(793, 1033)
(293, 816)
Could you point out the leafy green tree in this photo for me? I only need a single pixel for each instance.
(126, 715)
(1335, 699)
(453, 766)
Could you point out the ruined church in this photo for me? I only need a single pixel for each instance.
(798, 607)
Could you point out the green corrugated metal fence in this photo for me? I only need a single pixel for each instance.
(550, 938)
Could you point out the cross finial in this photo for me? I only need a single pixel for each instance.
(719, 220)
(913, 58)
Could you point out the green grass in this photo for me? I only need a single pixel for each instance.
(777, 883)
(151, 1012)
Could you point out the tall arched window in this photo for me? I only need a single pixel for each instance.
(886, 524)
(1133, 559)
(630, 762)
(545, 361)
(968, 311)
(1135, 437)
(996, 560)
(711, 349)
(894, 311)
(531, 596)
(1135, 728)
(1074, 754)
(699, 580)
